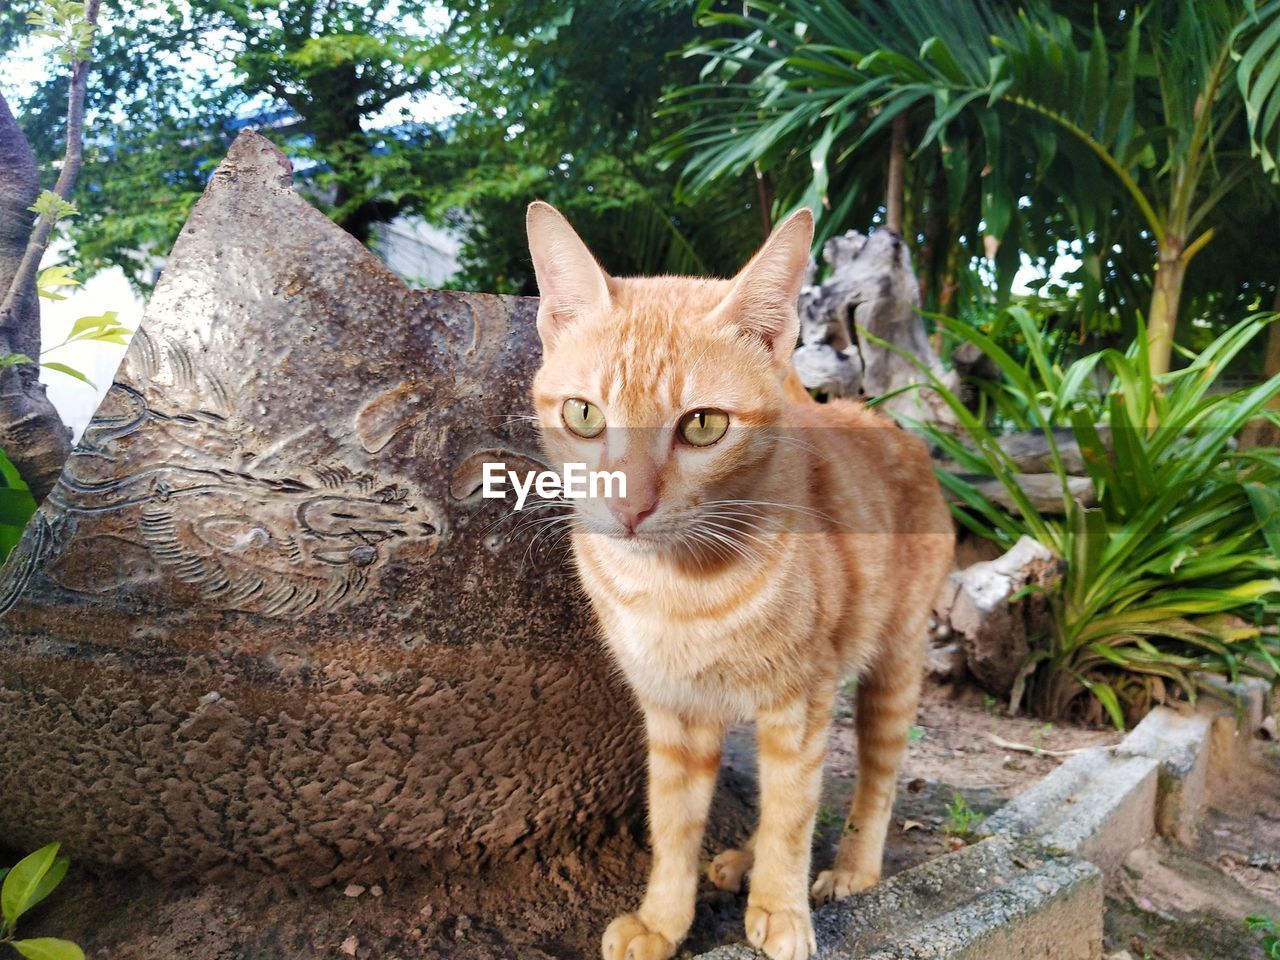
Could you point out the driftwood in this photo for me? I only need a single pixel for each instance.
(871, 290)
(1029, 452)
(1044, 490)
(976, 624)
(265, 619)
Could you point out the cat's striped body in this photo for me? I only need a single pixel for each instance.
(743, 578)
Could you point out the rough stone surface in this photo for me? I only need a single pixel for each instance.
(1001, 898)
(1096, 805)
(1181, 743)
(265, 620)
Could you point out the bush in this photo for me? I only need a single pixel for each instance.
(29, 881)
(1175, 570)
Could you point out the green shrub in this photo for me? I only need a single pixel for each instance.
(16, 506)
(1268, 934)
(1175, 569)
(29, 881)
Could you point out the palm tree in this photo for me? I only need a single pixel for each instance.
(1129, 132)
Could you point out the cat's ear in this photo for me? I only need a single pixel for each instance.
(762, 300)
(570, 282)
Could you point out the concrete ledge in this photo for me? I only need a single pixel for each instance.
(1181, 742)
(1033, 890)
(1249, 699)
(1238, 710)
(1001, 898)
(1096, 805)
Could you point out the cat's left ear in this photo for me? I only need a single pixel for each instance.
(762, 300)
(571, 284)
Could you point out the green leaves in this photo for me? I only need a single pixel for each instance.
(1178, 565)
(1112, 129)
(51, 279)
(69, 371)
(102, 329)
(48, 948)
(26, 883)
(1255, 45)
(16, 507)
(50, 205)
(64, 21)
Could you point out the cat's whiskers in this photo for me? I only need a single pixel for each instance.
(510, 418)
(561, 524)
(780, 505)
(728, 529)
(694, 538)
(520, 514)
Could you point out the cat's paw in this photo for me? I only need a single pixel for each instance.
(626, 938)
(728, 868)
(838, 884)
(782, 934)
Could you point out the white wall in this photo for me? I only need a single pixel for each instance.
(420, 253)
(76, 401)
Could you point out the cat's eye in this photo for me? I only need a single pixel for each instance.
(582, 417)
(703, 427)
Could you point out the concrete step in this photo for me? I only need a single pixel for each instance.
(1002, 898)
(1097, 806)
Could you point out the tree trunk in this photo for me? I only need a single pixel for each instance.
(31, 432)
(1163, 316)
(764, 200)
(897, 167)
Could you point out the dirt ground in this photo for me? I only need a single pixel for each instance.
(1174, 904)
(557, 908)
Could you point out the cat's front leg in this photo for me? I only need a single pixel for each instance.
(792, 745)
(684, 758)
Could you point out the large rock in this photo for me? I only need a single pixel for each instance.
(265, 619)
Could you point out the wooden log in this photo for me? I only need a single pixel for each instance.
(975, 611)
(1044, 490)
(872, 290)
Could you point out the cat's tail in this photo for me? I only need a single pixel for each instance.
(795, 391)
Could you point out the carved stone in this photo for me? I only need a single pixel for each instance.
(265, 619)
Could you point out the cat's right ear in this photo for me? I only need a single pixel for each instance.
(571, 283)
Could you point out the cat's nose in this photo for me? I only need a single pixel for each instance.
(632, 512)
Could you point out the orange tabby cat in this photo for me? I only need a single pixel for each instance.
(766, 547)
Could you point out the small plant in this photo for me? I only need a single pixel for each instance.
(1176, 569)
(827, 817)
(1041, 730)
(915, 734)
(16, 506)
(1269, 934)
(27, 883)
(961, 818)
(991, 705)
(103, 329)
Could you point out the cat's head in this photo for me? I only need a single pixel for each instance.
(674, 381)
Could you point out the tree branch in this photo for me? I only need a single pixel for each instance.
(71, 163)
